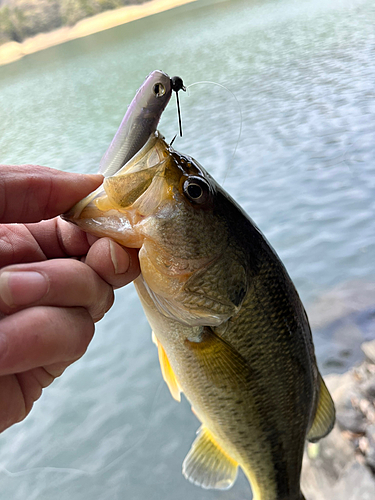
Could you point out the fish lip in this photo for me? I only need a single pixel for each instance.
(73, 213)
(77, 209)
(103, 215)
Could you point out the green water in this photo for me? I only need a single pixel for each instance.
(303, 76)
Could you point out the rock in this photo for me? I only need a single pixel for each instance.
(352, 421)
(370, 451)
(369, 349)
(334, 453)
(356, 483)
(342, 465)
(369, 389)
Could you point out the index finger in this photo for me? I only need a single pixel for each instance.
(27, 339)
(30, 193)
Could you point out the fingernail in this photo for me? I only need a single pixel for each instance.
(19, 288)
(120, 259)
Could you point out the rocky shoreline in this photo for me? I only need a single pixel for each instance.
(342, 466)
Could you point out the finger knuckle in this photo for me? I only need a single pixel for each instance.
(105, 302)
(84, 336)
(3, 199)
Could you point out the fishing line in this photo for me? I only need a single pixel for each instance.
(141, 439)
(240, 112)
(108, 466)
(179, 114)
(48, 468)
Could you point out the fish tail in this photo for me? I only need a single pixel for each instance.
(265, 497)
(268, 490)
(299, 497)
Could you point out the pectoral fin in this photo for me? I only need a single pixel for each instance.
(223, 364)
(325, 414)
(166, 370)
(207, 465)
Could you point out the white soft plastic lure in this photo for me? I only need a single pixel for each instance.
(139, 122)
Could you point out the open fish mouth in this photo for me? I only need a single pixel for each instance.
(120, 203)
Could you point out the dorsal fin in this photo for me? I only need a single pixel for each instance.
(207, 465)
(166, 370)
(324, 419)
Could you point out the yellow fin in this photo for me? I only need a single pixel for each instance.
(166, 370)
(194, 412)
(223, 364)
(154, 338)
(208, 465)
(324, 419)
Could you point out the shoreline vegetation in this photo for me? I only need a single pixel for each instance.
(13, 50)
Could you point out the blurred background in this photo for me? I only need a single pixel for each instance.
(292, 139)
(20, 19)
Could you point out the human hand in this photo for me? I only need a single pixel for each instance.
(55, 282)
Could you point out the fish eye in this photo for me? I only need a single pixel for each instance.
(159, 89)
(196, 189)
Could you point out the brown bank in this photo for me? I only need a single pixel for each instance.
(12, 51)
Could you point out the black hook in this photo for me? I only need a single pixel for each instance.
(177, 85)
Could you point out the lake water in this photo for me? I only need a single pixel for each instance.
(303, 75)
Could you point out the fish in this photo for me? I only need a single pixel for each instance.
(231, 331)
(139, 122)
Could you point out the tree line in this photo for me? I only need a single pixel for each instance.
(20, 19)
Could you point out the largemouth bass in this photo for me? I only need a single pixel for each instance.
(231, 331)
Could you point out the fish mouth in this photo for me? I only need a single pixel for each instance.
(127, 197)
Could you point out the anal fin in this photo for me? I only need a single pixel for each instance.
(166, 370)
(324, 419)
(207, 465)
